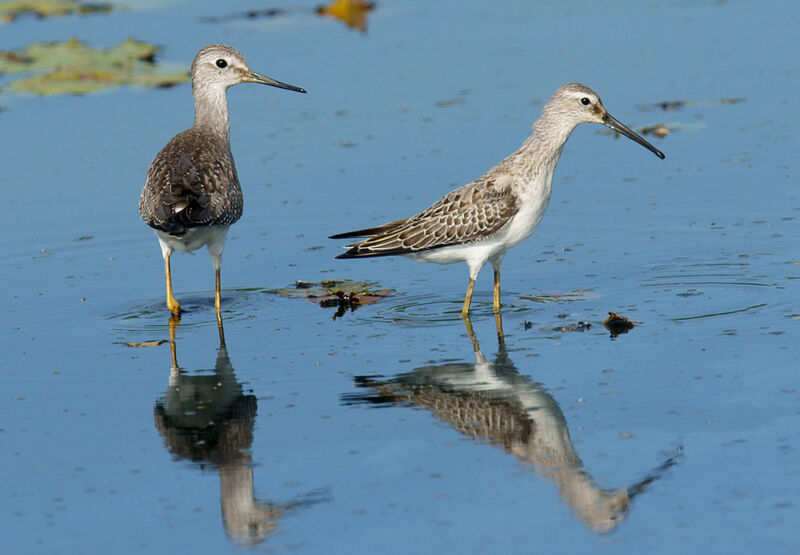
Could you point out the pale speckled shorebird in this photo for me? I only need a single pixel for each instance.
(482, 220)
(191, 194)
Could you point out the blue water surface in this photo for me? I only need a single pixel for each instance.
(391, 428)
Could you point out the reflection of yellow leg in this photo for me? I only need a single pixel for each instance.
(172, 304)
(498, 324)
(471, 332)
(221, 334)
(496, 303)
(174, 320)
(217, 297)
(468, 297)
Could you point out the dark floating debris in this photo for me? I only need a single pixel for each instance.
(340, 300)
(675, 105)
(659, 130)
(580, 326)
(343, 295)
(249, 14)
(617, 324)
(141, 344)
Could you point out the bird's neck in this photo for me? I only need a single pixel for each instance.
(535, 162)
(545, 145)
(211, 109)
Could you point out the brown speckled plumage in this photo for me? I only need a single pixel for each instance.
(471, 213)
(192, 182)
(191, 194)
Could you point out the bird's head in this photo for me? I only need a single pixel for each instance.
(219, 65)
(575, 103)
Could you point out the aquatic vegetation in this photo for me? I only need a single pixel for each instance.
(74, 67)
(14, 9)
(343, 295)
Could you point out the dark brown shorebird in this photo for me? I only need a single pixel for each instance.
(482, 220)
(191, 194)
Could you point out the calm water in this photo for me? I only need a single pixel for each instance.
(391, 426)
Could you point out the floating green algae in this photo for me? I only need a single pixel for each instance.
(73, 67)
(11, 11)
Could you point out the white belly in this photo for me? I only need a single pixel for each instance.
(212, 236)
(519, 228)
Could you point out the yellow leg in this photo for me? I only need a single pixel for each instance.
(468, 297)
(172, 304)
(496, 303)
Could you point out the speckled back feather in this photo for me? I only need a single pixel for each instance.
(191, 183)
(470, 213)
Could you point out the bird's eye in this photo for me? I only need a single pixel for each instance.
(222, 63)
(585, 101)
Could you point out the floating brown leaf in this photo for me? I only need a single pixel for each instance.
(352, 13)
(617, 324)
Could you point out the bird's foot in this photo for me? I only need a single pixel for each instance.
(174, 307)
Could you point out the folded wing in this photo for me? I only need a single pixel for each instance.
(471, 213)
(188, 187)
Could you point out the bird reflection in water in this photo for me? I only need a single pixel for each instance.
(494, 403)
(208, 419)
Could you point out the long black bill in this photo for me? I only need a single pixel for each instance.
(612, 123)
(264, 80)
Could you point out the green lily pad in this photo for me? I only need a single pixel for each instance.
(10, 11)
(73, 67)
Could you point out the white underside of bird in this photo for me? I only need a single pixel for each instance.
(534, 197)
(212, 236)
